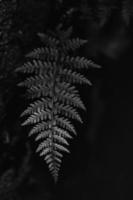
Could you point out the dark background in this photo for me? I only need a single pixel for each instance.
(100, 164)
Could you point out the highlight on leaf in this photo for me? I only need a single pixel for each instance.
(53, 73)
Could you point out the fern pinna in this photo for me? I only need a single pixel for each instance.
(51, 86)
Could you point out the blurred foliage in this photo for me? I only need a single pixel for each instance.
(11, 179)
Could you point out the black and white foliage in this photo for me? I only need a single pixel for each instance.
(52, 75)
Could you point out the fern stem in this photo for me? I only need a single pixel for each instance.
(52, 119)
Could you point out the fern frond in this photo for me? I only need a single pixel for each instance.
(29, 82)
(40, 127)
(62, 133)
(37, 116)
(58, 154)
(70, 99)
(35, 66)
(27, 68)
(37, 106)
(73, 44)
(61, 148)
(46, 151)
(74, 77)
(80, 62)
(65, 124)
(44, 53)
(36, 92)
(68, 111)
(42, 135)
(60, 139)
(64, 86)
(52, 87)
(45, 144)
